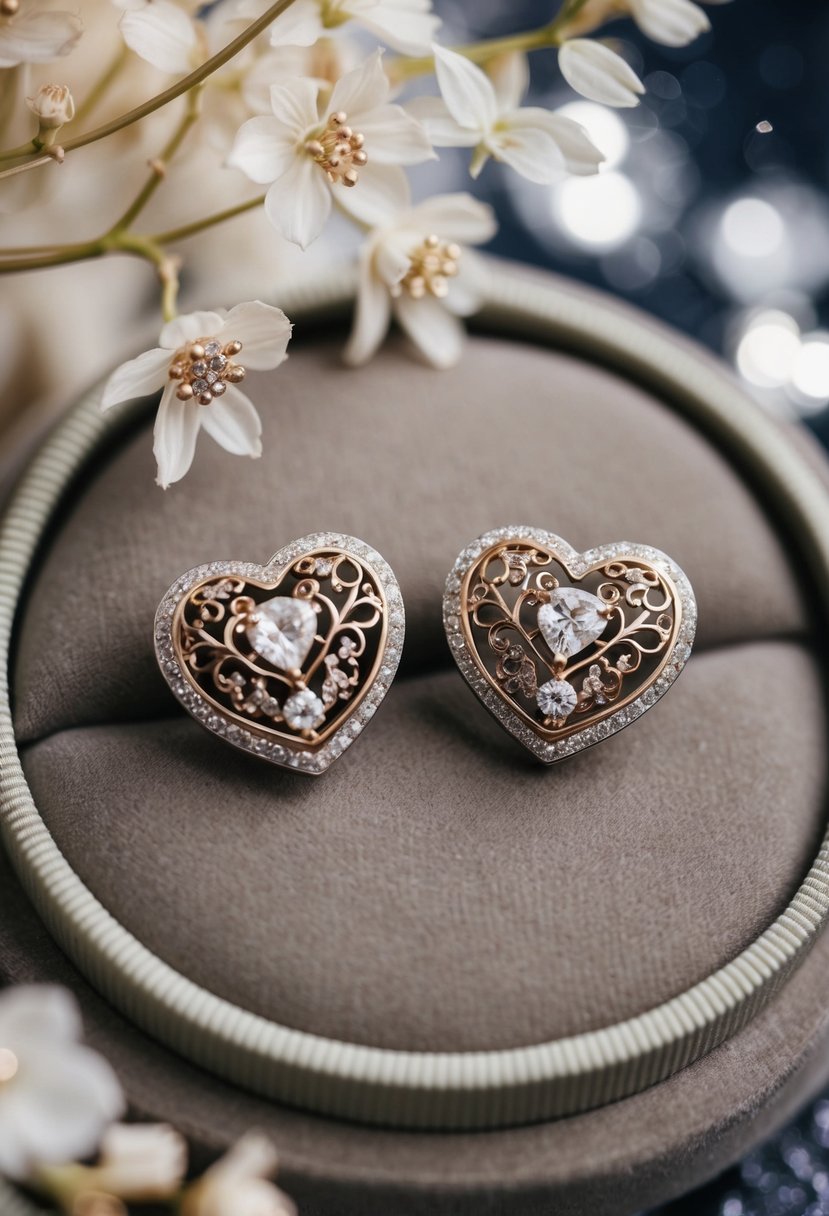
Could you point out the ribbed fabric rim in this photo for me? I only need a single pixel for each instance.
(415, 1089)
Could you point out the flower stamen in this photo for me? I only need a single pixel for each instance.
(9, 8)
(431, 264)
(338, 150)
(205, 368)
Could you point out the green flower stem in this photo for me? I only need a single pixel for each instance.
(159, 167)
(173, 235)
(102, 85)
(182, 86)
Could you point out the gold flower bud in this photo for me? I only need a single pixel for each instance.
(9, 8)
(233, 348)
(52, 105)
(196, 350)
(184, 392)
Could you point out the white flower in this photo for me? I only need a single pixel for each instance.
(475, 112)
(671, 22)
(414, 269)
(308, 156)
(237, 1185)
(162, 33)
(138, 1162)
(407, 25)
(597, 72)
(52, 105)
(32, 35)
(56, 1096)
(196, 366)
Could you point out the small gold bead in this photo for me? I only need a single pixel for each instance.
(359, 158)
(337, 120)
(184, 392)
(342, 149)
(9, 8)
(358, 139)
(205, 398)
(344, 133)
(453, 251)
(432, 241)
(333, 162)
(196, 350)
(350, 177)
(233, 348)
(234, 373)
(438, 286)
(314, 148)
(417, 287)
(449, 267)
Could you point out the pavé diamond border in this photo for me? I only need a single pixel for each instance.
(577, 564)
(321, 758)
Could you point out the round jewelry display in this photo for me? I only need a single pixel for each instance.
(462, 1087)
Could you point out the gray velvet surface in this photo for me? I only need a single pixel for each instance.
(435, 889)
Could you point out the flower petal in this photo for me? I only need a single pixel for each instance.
(510, 76)
(264, 332)
(433, 115)
(455, 217)
(234, 423)
(371, 314)
(407, 25)
(137, 378)
(189, 327)
(294, 104)
(162, 34)
(261, 149)
(595, 71)
(38, 37)
(581, 155)
(174, 436)
(436, 333)
(671, 22)
(362, 89)
(33, 1012)
(394, 137)
(140, 1162)
(468, 290)
(300, 25)
(467, 91)
(529, 150)
(299, 203)
(381, 194)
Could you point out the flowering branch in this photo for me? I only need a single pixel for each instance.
(201, 73)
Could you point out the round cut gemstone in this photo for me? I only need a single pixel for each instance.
(200, 386)
(212, 348)
(218, 387)
(218, 362)
(199, 368)
(571, 620)
(556, 699)
(303, 710)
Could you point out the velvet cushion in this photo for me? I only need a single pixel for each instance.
(436, 890)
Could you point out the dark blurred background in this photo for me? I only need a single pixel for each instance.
(712, 214)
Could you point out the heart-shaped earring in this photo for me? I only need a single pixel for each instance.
(288, 660)
(566, 648)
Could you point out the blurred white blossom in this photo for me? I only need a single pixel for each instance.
(56, 1096)
(139, 1162)
(597, 72)
(163, 33)
(415, 269)
(29, 34)
(355, 151)
(195, 365)
(238, 1184)
(406, 25)
(671, 22)
(472, 112)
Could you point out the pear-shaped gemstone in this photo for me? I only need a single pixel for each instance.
(571, 620)
(282, 631)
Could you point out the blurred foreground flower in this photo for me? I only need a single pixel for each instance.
(165, 34)
(593, 70)
(196, 368)
(237, 1185)
(56, 1096)
(307, 156)
(671, 22)
(414, 268)
(475, 112)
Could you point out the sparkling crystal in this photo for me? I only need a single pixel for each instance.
(571, 620)
(218, 388)
(303, 710)
(212, 348)
(200, 386)
(556, 699)
(218, 362)
(212, 377)
(199, 368)
(323, 566)
(282, 631)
